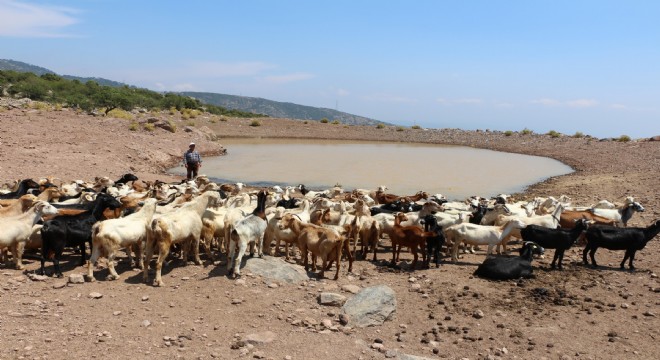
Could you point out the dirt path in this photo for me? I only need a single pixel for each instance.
(579, 313)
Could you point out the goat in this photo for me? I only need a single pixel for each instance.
(111, 235)
(72, 230)
(621, 215)
(480, 235)
(433, 242)
(23, 187)
(508, 268)
(17, 229)
(320, 241)
(559, 239)
(629, 239)
(367, 229)
(412, 237)
(247, 231)
(126, 178)
(18, 206)
(182, 226)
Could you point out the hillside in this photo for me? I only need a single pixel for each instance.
(278, 109)
(19, 66)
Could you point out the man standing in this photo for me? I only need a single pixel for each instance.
(192, 161)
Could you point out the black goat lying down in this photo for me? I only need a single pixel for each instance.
(559, 239)
(433, 242)
(615, 238)
(508, 268)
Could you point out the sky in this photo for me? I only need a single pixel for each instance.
(568, 66)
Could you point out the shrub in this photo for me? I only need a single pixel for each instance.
(120, 114)
(399, 128)
(172, 124)
(380, 126)
(255, 123)
(173, 110)
(213, 120)
(149, 127)
(578, 135)
(346, 126)
(554, 134)
(190, 123)
(133, 126)
(222, 118)
(58, 107)
(623, 138)
(335, 122)
(526, 131)
(508, 133)
(305, 122)
(324, 121)
(416, 127)
(38, 105)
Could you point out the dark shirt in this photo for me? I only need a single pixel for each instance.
(191, 157)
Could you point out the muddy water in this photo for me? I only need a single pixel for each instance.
(454, 171)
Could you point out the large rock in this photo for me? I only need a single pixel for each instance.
(261, 338)
(371, 306)
(276, 268)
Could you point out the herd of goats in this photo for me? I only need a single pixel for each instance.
(41, 219)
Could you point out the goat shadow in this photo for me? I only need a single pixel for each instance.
(608, 268)
(69, 261)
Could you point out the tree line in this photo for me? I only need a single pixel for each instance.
(90, 95)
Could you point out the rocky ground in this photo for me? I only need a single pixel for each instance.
(578, 313)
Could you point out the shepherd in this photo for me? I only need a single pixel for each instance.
(192, 161)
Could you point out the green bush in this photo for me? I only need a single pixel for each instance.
(578, 135)
(623, 138)
(133, 126)
(324, 121)
(380, 126)
(416, 127)
(526, 131)
(335, 122)
(553, 134)
(120, 114)
(399, 128)
(149, 127)
(508, 133)
(255, 123)
(172, 124)
(190, 123)
(305, 122)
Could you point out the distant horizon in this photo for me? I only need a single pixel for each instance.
(588, 66)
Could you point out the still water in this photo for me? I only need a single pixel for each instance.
(454, 171)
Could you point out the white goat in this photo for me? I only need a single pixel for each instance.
(17, 229)
(183, 226)
(479, 235)
(249, 231)
(128, 232)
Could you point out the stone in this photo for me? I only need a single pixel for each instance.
(145, 298)
(95, 295)
(371, 307)
(276, 269)
(76, 279)
(260, 338)
(59, 284)
(353, 289)
(145, 323)
(35, 277)
(259, 355)
(331, 299)
(478, 314)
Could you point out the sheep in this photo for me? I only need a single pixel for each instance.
(110, 235)
(17, 229)
(480, 235)
(248, 231)
(508, 268)
(551, 238)
(629, 239)
(320, 241)
(183, 225)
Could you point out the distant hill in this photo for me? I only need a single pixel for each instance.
(19, 66)
(232, 102)
(278, 109)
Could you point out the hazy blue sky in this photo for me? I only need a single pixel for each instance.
(590, 66)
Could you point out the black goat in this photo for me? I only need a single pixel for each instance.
(126, 178)
(396, 206)
(292, 203)
(614, 238)
(507, 268)
(478, 213)
(23, 187)
(559, 239)
(72, 230)
(435, 241)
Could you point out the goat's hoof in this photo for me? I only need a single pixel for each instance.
(60, 275)
(89, 278)
(159, 283)
(112, 277)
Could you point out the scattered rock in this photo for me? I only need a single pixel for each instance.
(275, 268)
(331, 299)
(145, 298)
(353, 289)
(236, 301)
(260, 338)
(35, 277)
(95, 295)
(59, 284)
(371, 306)
(648, 313)
(76, 279)
(145, 323)
(478, 314)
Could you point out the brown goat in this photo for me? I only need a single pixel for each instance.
(409, 236)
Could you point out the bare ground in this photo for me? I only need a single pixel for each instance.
(578, 313)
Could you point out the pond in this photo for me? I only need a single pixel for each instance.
(405, 168)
